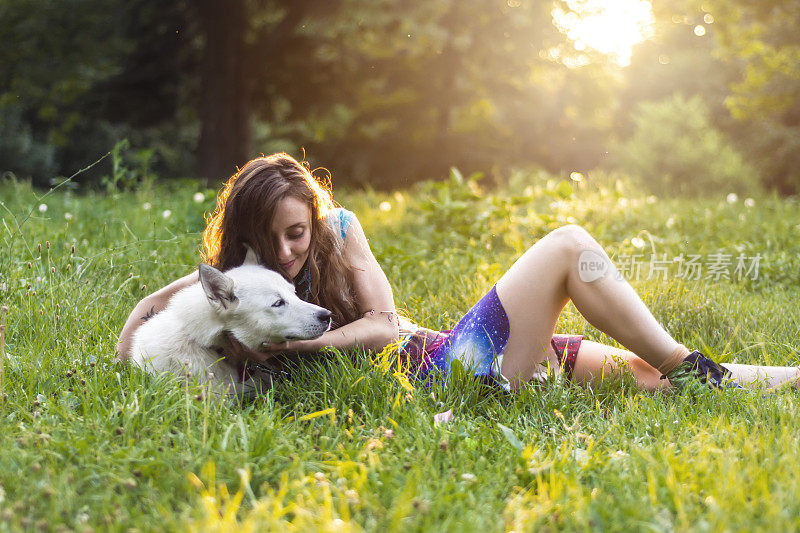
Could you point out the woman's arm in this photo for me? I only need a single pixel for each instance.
(373, 293)
(149, 306)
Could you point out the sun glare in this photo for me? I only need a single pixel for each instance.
(611, 27)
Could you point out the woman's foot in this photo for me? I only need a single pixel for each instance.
(695, 368)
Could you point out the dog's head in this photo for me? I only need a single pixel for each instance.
(258, 305)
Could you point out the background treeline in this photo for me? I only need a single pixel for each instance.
(386, 92)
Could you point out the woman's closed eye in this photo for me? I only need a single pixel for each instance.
(279, 303)
(296, 236)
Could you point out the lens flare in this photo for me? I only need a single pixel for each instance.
(611, 27)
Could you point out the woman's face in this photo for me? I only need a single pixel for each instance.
(291, 232)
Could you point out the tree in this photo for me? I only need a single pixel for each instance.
(224, 100)
(378, 90)
(409, 90)
(42, 80)
(79, 76)
(760, 39)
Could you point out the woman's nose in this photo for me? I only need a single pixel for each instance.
(284, 250)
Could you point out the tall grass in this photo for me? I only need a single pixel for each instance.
(349, 443)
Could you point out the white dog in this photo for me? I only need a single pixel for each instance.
(251, 303)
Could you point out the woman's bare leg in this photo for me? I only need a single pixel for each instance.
(596, 362)
(768, 376)
(536, 288)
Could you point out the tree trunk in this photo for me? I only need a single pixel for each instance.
(225, 137)
(447, 70)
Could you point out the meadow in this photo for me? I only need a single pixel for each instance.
(349, 443)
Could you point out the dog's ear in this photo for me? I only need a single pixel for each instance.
(218, 288)
(251, 258)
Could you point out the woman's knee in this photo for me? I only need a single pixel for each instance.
(572, 238)
(573, 233)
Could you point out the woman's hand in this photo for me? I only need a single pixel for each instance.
(277, 348)
(238, 353)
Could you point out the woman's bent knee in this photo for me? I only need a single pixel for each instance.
(572, 233)
(572, 239)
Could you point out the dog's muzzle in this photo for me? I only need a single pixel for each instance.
(323, 318)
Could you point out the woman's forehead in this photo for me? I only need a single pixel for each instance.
(289, 212)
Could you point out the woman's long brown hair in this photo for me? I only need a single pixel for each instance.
(244, 215)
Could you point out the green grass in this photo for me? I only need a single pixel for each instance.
(86, 443)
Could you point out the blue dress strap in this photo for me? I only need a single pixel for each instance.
(340, 219)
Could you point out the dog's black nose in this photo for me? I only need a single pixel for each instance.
(323, 315)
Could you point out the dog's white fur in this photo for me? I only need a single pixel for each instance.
(254, 304)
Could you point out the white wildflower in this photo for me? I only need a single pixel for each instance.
(167, 213)
(637, 242)
(576, 176)
(581, 456)
(67, 216)
(42, 208)
(385, 206)
(442, 418)
(146, 206)
(469, 478)
(732, 198)
(749, 202)
(198, 197)
(670, 222)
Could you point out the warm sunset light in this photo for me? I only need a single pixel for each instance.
(611, 27)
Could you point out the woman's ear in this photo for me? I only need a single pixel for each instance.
(251, 258)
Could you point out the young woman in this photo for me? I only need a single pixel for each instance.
(275, 205)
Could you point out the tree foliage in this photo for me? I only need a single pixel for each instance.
(78, 76)
(378, 91)
(762, 41)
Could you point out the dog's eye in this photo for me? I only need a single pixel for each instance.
(279, 303)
